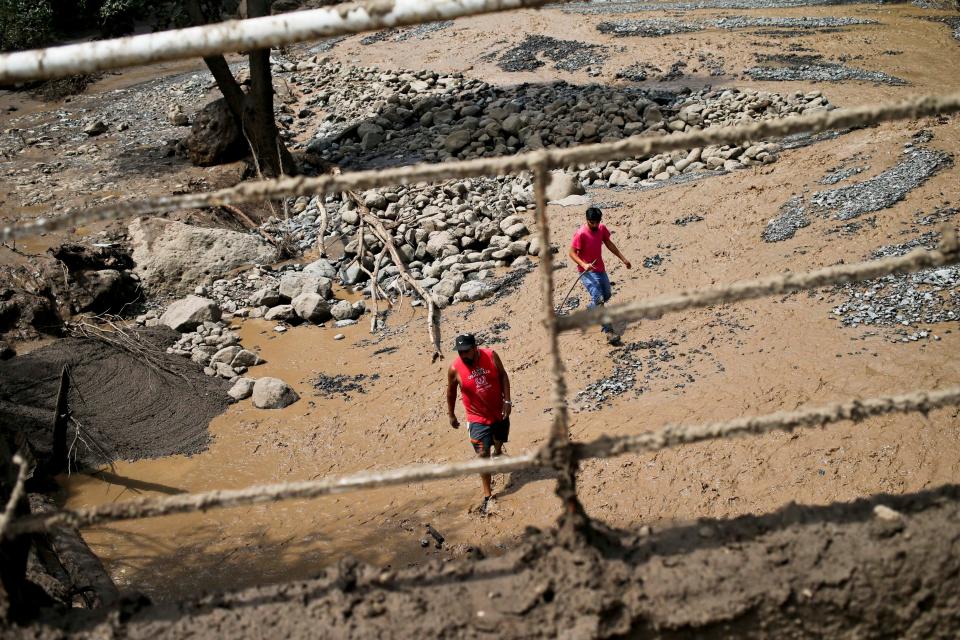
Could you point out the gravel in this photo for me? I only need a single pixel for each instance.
(643, 365)
(838, 175)
(567, 55)
(601, 7)
(792, 216)
(658, 27)
(884, 190)
(823, 72)
(418, 32)
(685, 220)
(906, 302)
(342, 385)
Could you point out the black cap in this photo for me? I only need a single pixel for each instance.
(594, 214)
(465, 342)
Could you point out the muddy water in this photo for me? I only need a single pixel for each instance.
(310, 439)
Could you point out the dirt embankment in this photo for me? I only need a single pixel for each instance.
(880, 567)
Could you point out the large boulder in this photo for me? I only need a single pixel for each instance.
(105, 290)
(215, 137)
(311, 307)
(173, 256)
(273, 393)
(562, 184)
(294, 283)
(189, 313)
(321, 267)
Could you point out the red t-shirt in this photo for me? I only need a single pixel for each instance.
(588, 245)
(480, 386)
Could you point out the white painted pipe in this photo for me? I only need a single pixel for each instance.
(239, 35)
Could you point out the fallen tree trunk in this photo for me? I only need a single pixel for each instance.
(88, 577)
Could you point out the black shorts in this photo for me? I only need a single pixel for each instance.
(482, 436)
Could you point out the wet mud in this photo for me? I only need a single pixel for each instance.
(876, 567)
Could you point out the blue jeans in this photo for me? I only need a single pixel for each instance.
(598, 286)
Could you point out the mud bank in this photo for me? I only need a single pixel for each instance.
(877, 567)
(126, 403)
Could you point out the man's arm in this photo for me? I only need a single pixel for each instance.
(453, 381)
(504, 385)
(587, 266)
(613, 249)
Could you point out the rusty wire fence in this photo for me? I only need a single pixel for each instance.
(560, 453)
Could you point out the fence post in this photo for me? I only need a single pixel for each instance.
(574, 523)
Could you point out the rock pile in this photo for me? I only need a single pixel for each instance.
(208, 341)
(451, 236)
(380, 117)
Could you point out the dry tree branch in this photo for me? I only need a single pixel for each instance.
(433, 313)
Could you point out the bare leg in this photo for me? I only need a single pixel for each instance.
(485, 478)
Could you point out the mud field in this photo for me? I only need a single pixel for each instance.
(773, 535)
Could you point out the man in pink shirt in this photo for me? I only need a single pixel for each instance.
(586, 250)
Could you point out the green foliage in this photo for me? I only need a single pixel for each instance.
(24, 24)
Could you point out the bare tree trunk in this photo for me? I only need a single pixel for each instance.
(254, 111)
(260, 125)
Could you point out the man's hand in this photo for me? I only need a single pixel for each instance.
(454, 422)
(627, 264)
(507, 407)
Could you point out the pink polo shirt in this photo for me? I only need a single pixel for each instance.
(589, 243)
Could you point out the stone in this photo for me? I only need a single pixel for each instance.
(339, 336)
(6, 351)
(438, 241)
(446, 288)
(214, 136)
(457, 140)
(573, 201)
(224, 370)
(342, 310)
(476, 290)
(883, 512)
(241, 389)
(102, 290)
(517, 230)
(321, 267)
(311, 307)
(189, 313)
(267, 296)
(294, 283)
(177, 117)
(225, 355)
(95, 128)
(562, 185)
(346, 322)
(618, 177)
(273, 393)
(174, 257)
(281, 313)
(245, 358)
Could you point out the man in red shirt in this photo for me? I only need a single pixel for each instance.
(485, 385)
(586, 251)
